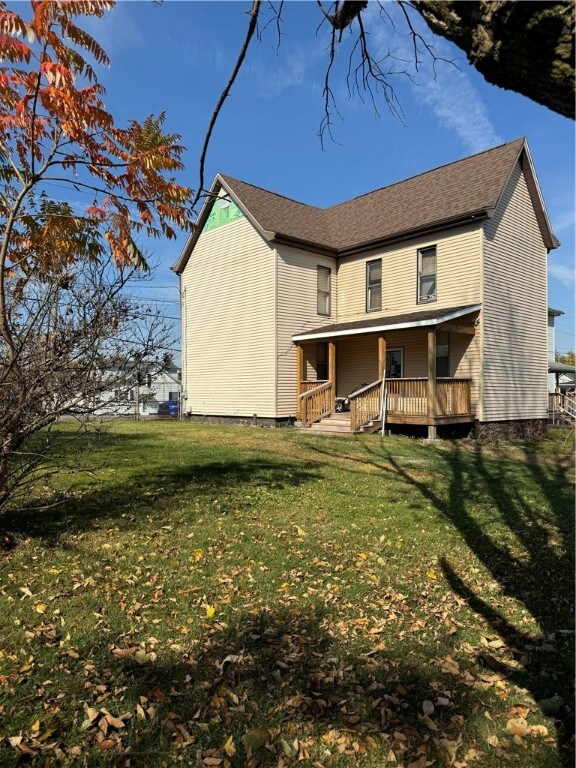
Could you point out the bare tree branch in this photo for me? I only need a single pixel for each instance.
(255, 10)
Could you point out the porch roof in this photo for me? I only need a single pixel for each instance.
(554, 367)
(426, 317)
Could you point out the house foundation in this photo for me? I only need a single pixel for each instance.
(520, 429)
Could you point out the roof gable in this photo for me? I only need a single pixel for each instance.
(463, 191)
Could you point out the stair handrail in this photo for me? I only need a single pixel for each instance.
(357, 420)
(305, 396)
(354, 395)
(567, 404)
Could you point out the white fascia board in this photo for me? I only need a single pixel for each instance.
(387, 327)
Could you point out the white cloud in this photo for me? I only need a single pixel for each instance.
(564, 221)
(290, 69)
(449, 92)
(116, 30)
(566, 275)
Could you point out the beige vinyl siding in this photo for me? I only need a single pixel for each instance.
(514, 324)
(458, 263)
(228, 324)
(357, 358)
(465, 363)
(296, 312)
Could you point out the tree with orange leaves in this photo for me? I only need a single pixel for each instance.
(55, 130)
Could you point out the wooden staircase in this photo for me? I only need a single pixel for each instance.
(334, 424)
(338, 424)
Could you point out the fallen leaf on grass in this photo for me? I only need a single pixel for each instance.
(428, 707)
(257, 738)
(518, 726)
(229, 747)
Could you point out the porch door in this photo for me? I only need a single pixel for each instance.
(394, 363)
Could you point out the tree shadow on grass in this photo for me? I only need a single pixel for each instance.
(155, 492)
(524, 537)
(286, 689)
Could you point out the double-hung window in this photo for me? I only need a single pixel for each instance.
(323, 290)
(427, 274)
(373, 285)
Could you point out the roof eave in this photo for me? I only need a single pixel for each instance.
(527, 165)
(389, 326)
(408, 234)
(306, 245)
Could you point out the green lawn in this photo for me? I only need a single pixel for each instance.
(213, 596)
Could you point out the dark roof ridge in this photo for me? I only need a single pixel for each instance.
(423, 173)
(271, 192)
(378, 189)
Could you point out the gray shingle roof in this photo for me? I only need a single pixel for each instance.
(421, 317)
(451, 194)
(452, 191)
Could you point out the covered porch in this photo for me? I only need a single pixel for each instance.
(361, 369)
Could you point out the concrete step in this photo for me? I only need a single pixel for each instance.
(372, 426)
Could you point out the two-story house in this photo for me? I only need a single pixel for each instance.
(434, 286)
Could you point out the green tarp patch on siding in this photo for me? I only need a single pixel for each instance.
(223, 212)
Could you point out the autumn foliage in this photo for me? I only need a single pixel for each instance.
(59, 142)
(54, 127)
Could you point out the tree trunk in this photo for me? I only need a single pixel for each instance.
(526, 47)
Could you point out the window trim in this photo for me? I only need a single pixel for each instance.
(419, 253)
(368, 286)
(328, 293)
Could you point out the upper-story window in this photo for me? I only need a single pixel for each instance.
(323, 290)
(373, 285)
(426, 274)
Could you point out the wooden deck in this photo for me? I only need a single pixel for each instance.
(407, 401)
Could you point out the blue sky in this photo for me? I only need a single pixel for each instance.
(177, 56)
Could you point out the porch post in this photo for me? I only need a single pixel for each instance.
(381, 356)
(332, 371)
(431, 390)
(299, 376)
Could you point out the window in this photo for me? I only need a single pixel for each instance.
(427, 274)
(323, 290)
(373, 285)
(394, 361)
(173, 396)
(322, 361)
(442, 354)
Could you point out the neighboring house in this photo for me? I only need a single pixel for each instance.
(140, 392)
(439, 281)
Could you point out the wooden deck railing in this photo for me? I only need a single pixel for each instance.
(561, 407)
(316, 403)
(365, 404)
(306, 386)
(409, 397)
(453, 397)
